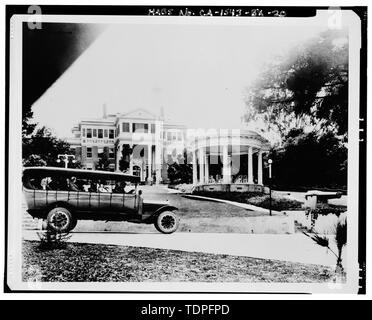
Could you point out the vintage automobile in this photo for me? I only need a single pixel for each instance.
(64, 196)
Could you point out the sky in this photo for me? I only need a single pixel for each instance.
(197, 73)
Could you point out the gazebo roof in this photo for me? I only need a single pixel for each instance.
(242, 135)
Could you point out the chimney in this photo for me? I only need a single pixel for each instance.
(104, 111)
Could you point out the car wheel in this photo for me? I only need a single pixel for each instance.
(60, 220)
(167, 222)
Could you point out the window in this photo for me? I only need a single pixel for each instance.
(111, 153)
(125, 127)
(140, 127)
(94, 133)
(169, 136)
(89, 152)
(152, 127)
(89, 133)
(106, 133)
(100, 133)
(111, 134)
(83, 132)
(100, 150)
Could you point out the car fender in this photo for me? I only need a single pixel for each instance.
(155, 214)
(62, 204)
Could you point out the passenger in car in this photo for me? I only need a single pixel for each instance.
(101, 188)
(72, 184)
(93, 187)
(31, 184)
(119, 187)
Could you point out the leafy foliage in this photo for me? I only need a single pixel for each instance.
(124, 162)
(180, 171)
(42, 148)
(308, 87)
(104, 162)
(340, 239)
(27, 127)
(309, 160)
(51, 240)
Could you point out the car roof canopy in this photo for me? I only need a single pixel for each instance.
(79, 173)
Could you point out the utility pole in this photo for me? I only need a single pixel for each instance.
(270, 163)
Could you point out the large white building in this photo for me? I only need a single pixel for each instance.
(147, 135)
(229, 157)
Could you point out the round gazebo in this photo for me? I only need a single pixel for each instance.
(229, 159)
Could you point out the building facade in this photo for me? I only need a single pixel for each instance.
(137, 143)
(144, 144)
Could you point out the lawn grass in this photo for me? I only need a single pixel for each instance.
(195, 208)
(263, 201)
(109, 263)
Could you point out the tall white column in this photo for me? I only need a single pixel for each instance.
(201, 165)
(157, 164)
(250, 165)
(206, 168)
(226, 165)
(118, 156)
(260, 180)
(149, 162)
(131, 161)
(194, 168)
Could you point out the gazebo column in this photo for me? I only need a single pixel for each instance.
(206, 171)
(260, 180)
(194, 168)
(250, 165)
(201, 165)
(226, 166)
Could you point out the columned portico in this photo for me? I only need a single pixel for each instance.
(260, 179)
(201, 165)
(149, 163)
(226, 172)
(240, 155)
(250, 165)
(206, 170)
(194, 168)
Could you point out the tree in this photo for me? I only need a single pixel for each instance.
(104, 162)
(124, 162)
(180, 171)
(34, 161)
(42, 147)
(27, 127)
(308, 87)
(308, 160)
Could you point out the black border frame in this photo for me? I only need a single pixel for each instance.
(142, 10)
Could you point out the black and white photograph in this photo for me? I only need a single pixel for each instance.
(185, 149)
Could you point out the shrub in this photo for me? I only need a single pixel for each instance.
(50, 240)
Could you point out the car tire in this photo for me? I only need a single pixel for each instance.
(167, 222)
(60, 220)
